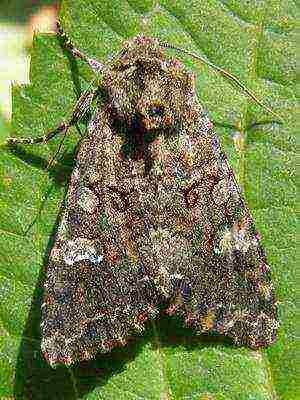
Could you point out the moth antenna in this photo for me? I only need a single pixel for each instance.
(96, 66)
(226, 74)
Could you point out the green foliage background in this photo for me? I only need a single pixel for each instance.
(254, 40)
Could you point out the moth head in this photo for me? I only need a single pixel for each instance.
(146, 85)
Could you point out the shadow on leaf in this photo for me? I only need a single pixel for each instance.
(59, 171)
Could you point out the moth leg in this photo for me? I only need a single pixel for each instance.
(81, 107)
(67, 43)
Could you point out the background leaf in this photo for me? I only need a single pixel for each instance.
(255, 41)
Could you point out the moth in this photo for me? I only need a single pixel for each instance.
(153, 215)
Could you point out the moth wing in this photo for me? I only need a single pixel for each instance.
(95, 291)
(220, 279)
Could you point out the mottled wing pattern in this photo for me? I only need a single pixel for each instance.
(96, 292)
(199, 236)
(219, 274)
(153, 212)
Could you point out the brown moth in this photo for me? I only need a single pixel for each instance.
(153, 215)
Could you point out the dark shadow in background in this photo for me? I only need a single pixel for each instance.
(19, 11)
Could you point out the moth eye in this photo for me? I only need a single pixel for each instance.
(156, 111)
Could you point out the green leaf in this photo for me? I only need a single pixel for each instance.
(253, 40)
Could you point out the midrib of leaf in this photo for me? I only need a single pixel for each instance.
(74, 383)
(167, 392)
(243, 177)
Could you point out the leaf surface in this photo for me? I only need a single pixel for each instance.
(253, 40)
